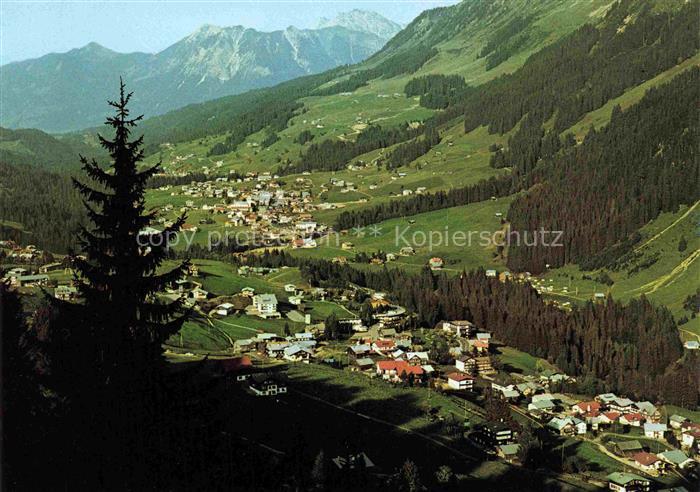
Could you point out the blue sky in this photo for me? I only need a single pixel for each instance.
(31, 28)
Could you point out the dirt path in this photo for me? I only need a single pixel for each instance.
(690, 333)
(230, 340)
(670, 277)
(675, 222)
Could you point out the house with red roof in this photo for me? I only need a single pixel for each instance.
(479, 346)
(585, 407)
(394, 370)
(634, 418)
(460, 381)
(384, 346)
(648, 462)
(609, 417)
(690, 436)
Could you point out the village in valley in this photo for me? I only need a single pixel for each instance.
(264, 330)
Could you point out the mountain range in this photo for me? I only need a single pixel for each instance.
(66, 91)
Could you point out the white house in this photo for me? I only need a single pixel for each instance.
(298, 353)
(296, 300)
(655, 431)
(568, 425)
(461, 328)
(460, 381)
(266, 305)
(676, 421)
(224, 309)
(263, 385)
(676, 457)
(306, 226)
(465, 364)
(417, 358)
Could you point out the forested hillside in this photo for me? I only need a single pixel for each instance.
(44, 205)
(643, 163)
(552, 91)
(34, 147)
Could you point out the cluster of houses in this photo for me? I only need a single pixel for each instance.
(36, 276)
(273, 213)
(472, 356)
(22, 254)
(190, 290)
(300, 347)
(382, 351)
(606, 411)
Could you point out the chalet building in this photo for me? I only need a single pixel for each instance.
(244, 345)
(568, 426)
(544, 406)
(417, 358)
(634, 419)
(197, 294)
(655, 431)
(647, 409)
(266, 305)
(494, 434)
(393, 370)
(384, 346)
(479, 346)
(298, 353)
(628, 482)
(676, 458)
(677, 421)
(508, 452)
(466, 364)
(358, 351)
(586, 407)
(460, 381)
(622, 405)
(648, 462)
(276, 349)
(363, 363)
(627, 448)
(267, 385)
(65, 293)
(483, 365)
(690, 437)
(460, 328)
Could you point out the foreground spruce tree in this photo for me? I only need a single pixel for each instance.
(117, 277)
(108, 361)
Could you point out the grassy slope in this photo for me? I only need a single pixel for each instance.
(601, 116)
(668, 281)
(337, 114)
(460, 159)
(219, 278)
(459, 251)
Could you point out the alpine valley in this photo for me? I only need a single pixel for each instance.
(458, 255)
